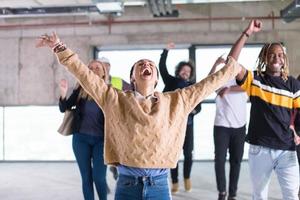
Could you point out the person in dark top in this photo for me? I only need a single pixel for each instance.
(88, 135)
(183, 74)
(273, 96)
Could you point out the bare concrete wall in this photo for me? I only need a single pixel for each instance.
(30, 76)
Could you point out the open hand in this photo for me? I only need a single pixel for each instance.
(170, 45)
(47, 40)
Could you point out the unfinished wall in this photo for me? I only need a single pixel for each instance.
(30, 76)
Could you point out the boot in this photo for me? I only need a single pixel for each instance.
(175, 188)
(187, 185)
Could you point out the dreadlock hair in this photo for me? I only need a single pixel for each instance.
(262, 60)
(131, 73)
(181, 64)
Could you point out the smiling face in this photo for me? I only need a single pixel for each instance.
(275, 59)
(185, 72)
(144, 73)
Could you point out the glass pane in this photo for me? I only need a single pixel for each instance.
(31, 134)
(207, 55)
(122, 61)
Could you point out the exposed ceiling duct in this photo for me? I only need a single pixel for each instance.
(46, 8)
(162, 8)
(291, 12)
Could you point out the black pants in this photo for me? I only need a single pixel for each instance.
(188, 147)
(232, 139)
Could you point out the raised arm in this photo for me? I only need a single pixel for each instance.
(166, 77)
(253, 27)
(90, 82)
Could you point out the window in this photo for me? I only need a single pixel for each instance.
(122, 60)
(31, 134)
(207, 55)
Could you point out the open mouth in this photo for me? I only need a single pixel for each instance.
(146, 72)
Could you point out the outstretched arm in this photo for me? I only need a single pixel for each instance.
(91, 83)
(253, 27)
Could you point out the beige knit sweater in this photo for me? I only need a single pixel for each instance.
(143, 133)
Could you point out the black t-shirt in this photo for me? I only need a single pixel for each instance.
(272, 102)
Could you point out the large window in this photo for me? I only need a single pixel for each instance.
(31, 134)
(207, 55)
(122, 60)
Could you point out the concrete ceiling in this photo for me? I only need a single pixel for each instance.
(40, 3)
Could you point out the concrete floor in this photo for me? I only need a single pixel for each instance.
(61, 181)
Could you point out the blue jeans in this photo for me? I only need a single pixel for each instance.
(262, 161)
(142, 188)
(88, 151)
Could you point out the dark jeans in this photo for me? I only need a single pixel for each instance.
(188, 147)
(142, 188)
(88, 151)
(232, 139)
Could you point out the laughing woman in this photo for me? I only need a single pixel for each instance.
(144, 130)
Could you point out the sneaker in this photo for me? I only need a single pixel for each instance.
(187, 185)
(175, 188)
(222, 196)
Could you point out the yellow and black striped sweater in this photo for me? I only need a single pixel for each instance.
(272, 101)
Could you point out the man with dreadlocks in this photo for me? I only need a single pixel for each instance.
(273, 95)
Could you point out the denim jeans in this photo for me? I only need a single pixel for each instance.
(88, 151)
(262, 161)
(142, 188)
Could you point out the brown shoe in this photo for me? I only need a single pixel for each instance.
(187, 185)
(175, 188)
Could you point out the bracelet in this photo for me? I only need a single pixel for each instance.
(245, 33)
(59, 47)
(56, 44)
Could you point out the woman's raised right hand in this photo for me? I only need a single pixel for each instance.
(48, 40)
